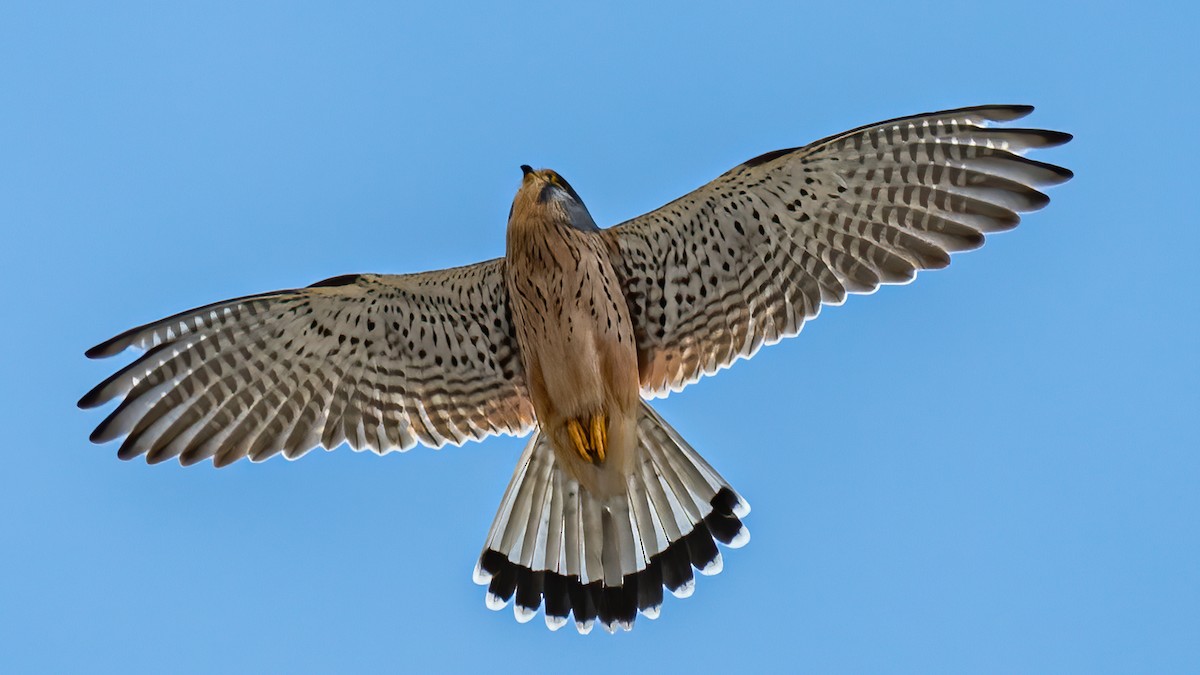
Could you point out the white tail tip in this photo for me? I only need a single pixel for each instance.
(494, 602)
(523, 614)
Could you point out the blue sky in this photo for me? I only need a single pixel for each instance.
(985, 471)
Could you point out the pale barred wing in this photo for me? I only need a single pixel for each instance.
(382, 362)
(744, 260)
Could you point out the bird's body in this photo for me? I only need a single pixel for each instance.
(567, 335)
(574, 332)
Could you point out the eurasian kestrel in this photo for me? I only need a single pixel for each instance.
(568, 334)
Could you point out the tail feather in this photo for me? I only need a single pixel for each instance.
(555, 543)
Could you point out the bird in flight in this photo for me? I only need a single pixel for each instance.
(568, 336)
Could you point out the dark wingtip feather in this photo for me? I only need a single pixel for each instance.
(340, 280)
(118, 382)
(159, 454)
(1037, 200)
(191, 457)
(90, 399)
(767, 157)
(1004, 112)
(120, 343)
(110, 347)
(1054, 139)
(129, 449)
(106, 431)
(1031, 138)
(1060, 174)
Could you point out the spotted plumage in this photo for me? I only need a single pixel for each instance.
(568, 334)
(377, 361)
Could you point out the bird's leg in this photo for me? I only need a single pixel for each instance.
(599, 437)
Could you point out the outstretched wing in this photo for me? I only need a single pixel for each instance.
(744, 260)
(379, 361)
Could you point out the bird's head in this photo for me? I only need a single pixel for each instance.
(545, 195)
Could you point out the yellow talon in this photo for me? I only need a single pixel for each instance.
(599, 437)
(578, 439)
(592, 444)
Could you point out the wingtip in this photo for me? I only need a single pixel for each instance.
(994, 112)
(108, 430)
(1057, 138)
(340, 280)
(96, 396)
(87, 401)
(1012, 111)
(100, 351)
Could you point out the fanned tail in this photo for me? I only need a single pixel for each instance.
(609, 559)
